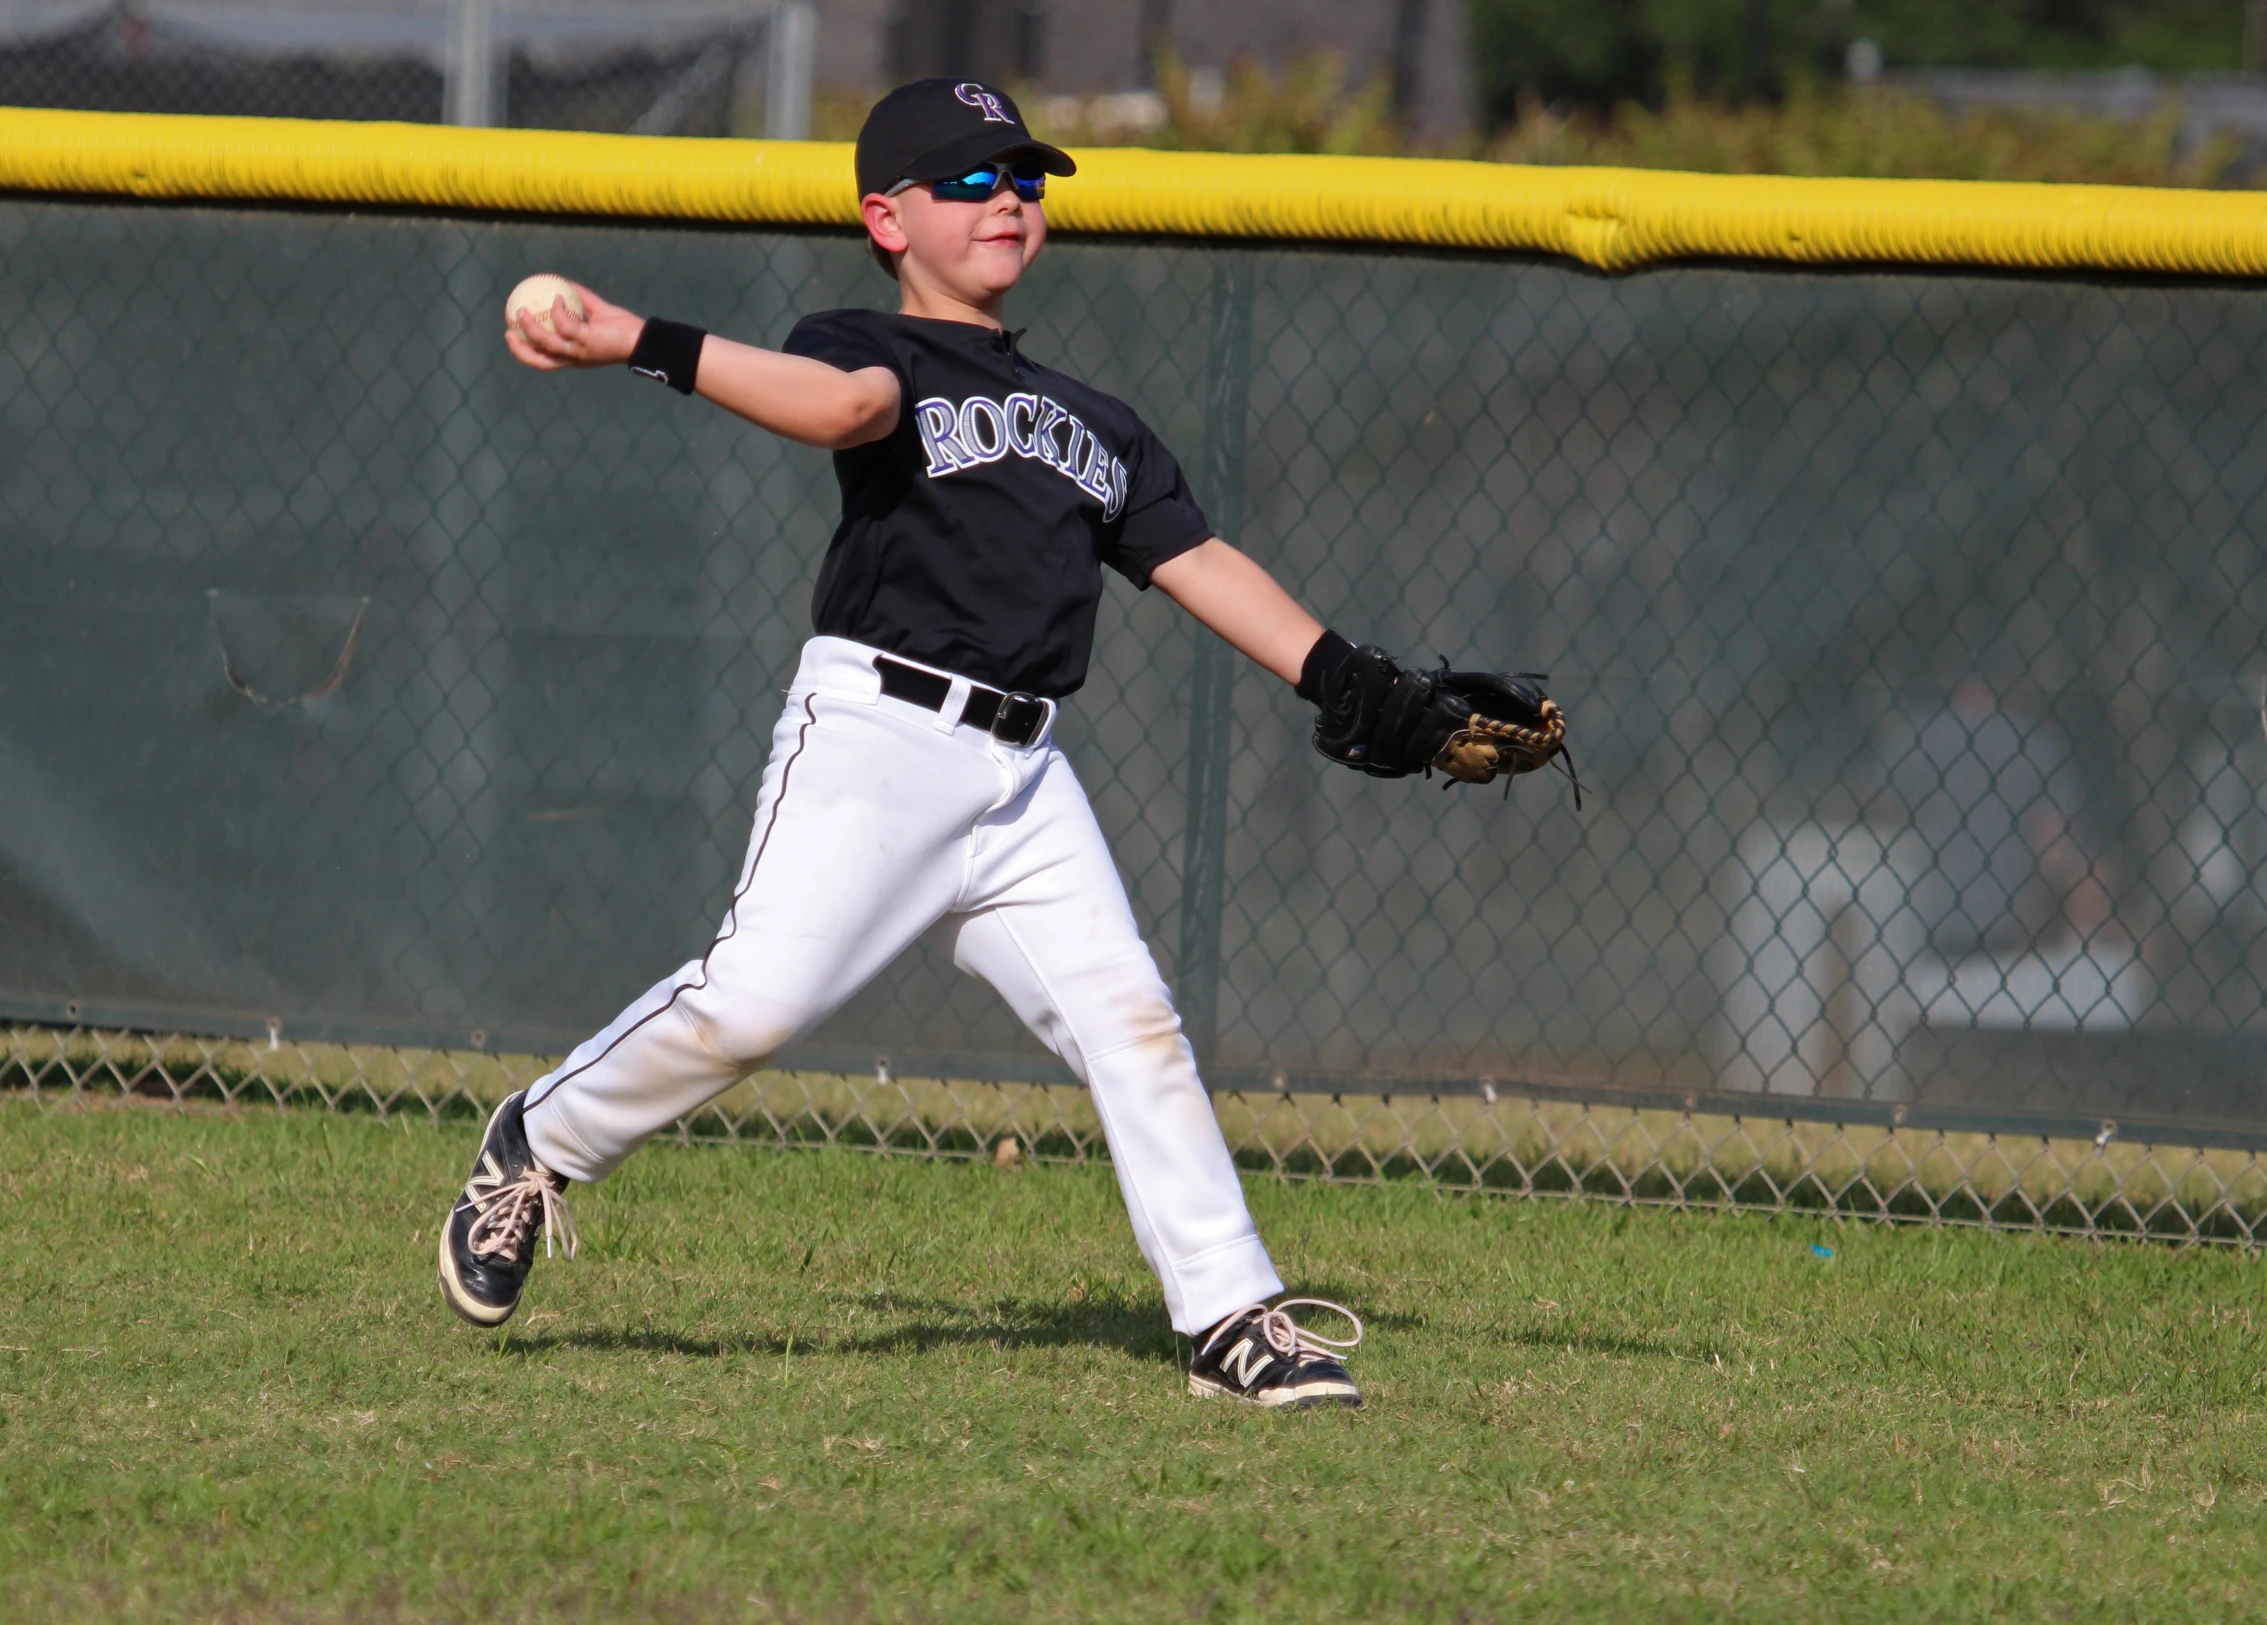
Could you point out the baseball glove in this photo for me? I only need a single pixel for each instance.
(1474, 726)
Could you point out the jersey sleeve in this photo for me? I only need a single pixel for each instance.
(1162, 520)
(849, 339)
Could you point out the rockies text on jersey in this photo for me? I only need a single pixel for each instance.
(973, 537)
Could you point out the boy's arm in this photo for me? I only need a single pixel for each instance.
(1242, 602)
(791, 395)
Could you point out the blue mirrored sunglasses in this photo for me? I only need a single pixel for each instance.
(978, 185)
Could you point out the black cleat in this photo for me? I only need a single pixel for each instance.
(1260, 1356)
(488, 1244)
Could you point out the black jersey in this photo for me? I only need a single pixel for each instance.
(973, 537)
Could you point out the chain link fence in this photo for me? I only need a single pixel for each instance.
(1565, 1141)
(388, 714)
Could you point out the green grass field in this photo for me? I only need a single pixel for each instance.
(825, 1386)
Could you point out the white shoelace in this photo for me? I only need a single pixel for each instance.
(505, 1214)
(1290, 1339)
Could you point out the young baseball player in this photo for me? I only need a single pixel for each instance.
(912, 778)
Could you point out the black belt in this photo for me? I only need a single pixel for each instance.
(1012, 719)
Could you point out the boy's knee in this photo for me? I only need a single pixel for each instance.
(1134, 1018)
(740, 1036)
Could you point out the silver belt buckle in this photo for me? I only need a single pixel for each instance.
(1009, 704)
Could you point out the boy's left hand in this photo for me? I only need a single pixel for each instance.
(602, 337)
(1475, 727)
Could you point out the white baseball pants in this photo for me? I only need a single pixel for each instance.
(876, 820)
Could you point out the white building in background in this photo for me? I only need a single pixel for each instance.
(1825, 968)
(1966, 902)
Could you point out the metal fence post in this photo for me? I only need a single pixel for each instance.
(1204, 848)
(791, 47)
(469, 88)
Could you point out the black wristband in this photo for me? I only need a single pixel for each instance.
(671, 352)
(1329, 653)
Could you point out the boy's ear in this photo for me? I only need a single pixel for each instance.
(882, 223)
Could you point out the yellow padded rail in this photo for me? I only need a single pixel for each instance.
(163, 155)
(1614, 219)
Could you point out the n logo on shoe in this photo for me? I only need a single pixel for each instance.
(485, 1178)
(1246, 1361)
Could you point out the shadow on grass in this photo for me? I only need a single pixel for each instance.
(1134, 1328)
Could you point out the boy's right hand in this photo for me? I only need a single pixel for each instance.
(602, 337)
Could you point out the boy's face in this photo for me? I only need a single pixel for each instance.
(972, 251)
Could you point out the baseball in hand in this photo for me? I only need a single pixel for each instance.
(535, 295)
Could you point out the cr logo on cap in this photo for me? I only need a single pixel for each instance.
(989, 101)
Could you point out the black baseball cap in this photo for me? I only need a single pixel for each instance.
(935, 129)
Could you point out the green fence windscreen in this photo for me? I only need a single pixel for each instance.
(356, 680)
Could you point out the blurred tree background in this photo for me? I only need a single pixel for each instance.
(1741, 86)
(1607, 54)
(1766, 86)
